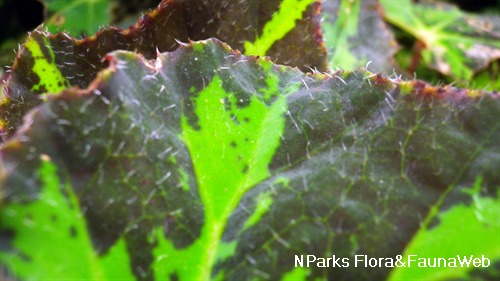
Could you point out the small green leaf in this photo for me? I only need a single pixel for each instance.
(455, 43)
(78, 16)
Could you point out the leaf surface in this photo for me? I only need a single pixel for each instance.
(56, 219)
(213, 165)
(482, 217)
(49, 63)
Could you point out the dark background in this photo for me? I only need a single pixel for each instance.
(20, 16)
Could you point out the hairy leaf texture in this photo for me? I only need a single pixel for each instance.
(289, 31)
(208, 164)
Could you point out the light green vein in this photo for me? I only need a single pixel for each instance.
(282, 22)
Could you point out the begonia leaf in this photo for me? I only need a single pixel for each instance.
(208, 164)
(50, 63)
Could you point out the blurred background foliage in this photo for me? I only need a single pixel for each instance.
(400, 48)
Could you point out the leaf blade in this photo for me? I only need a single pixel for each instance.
(355, 148)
